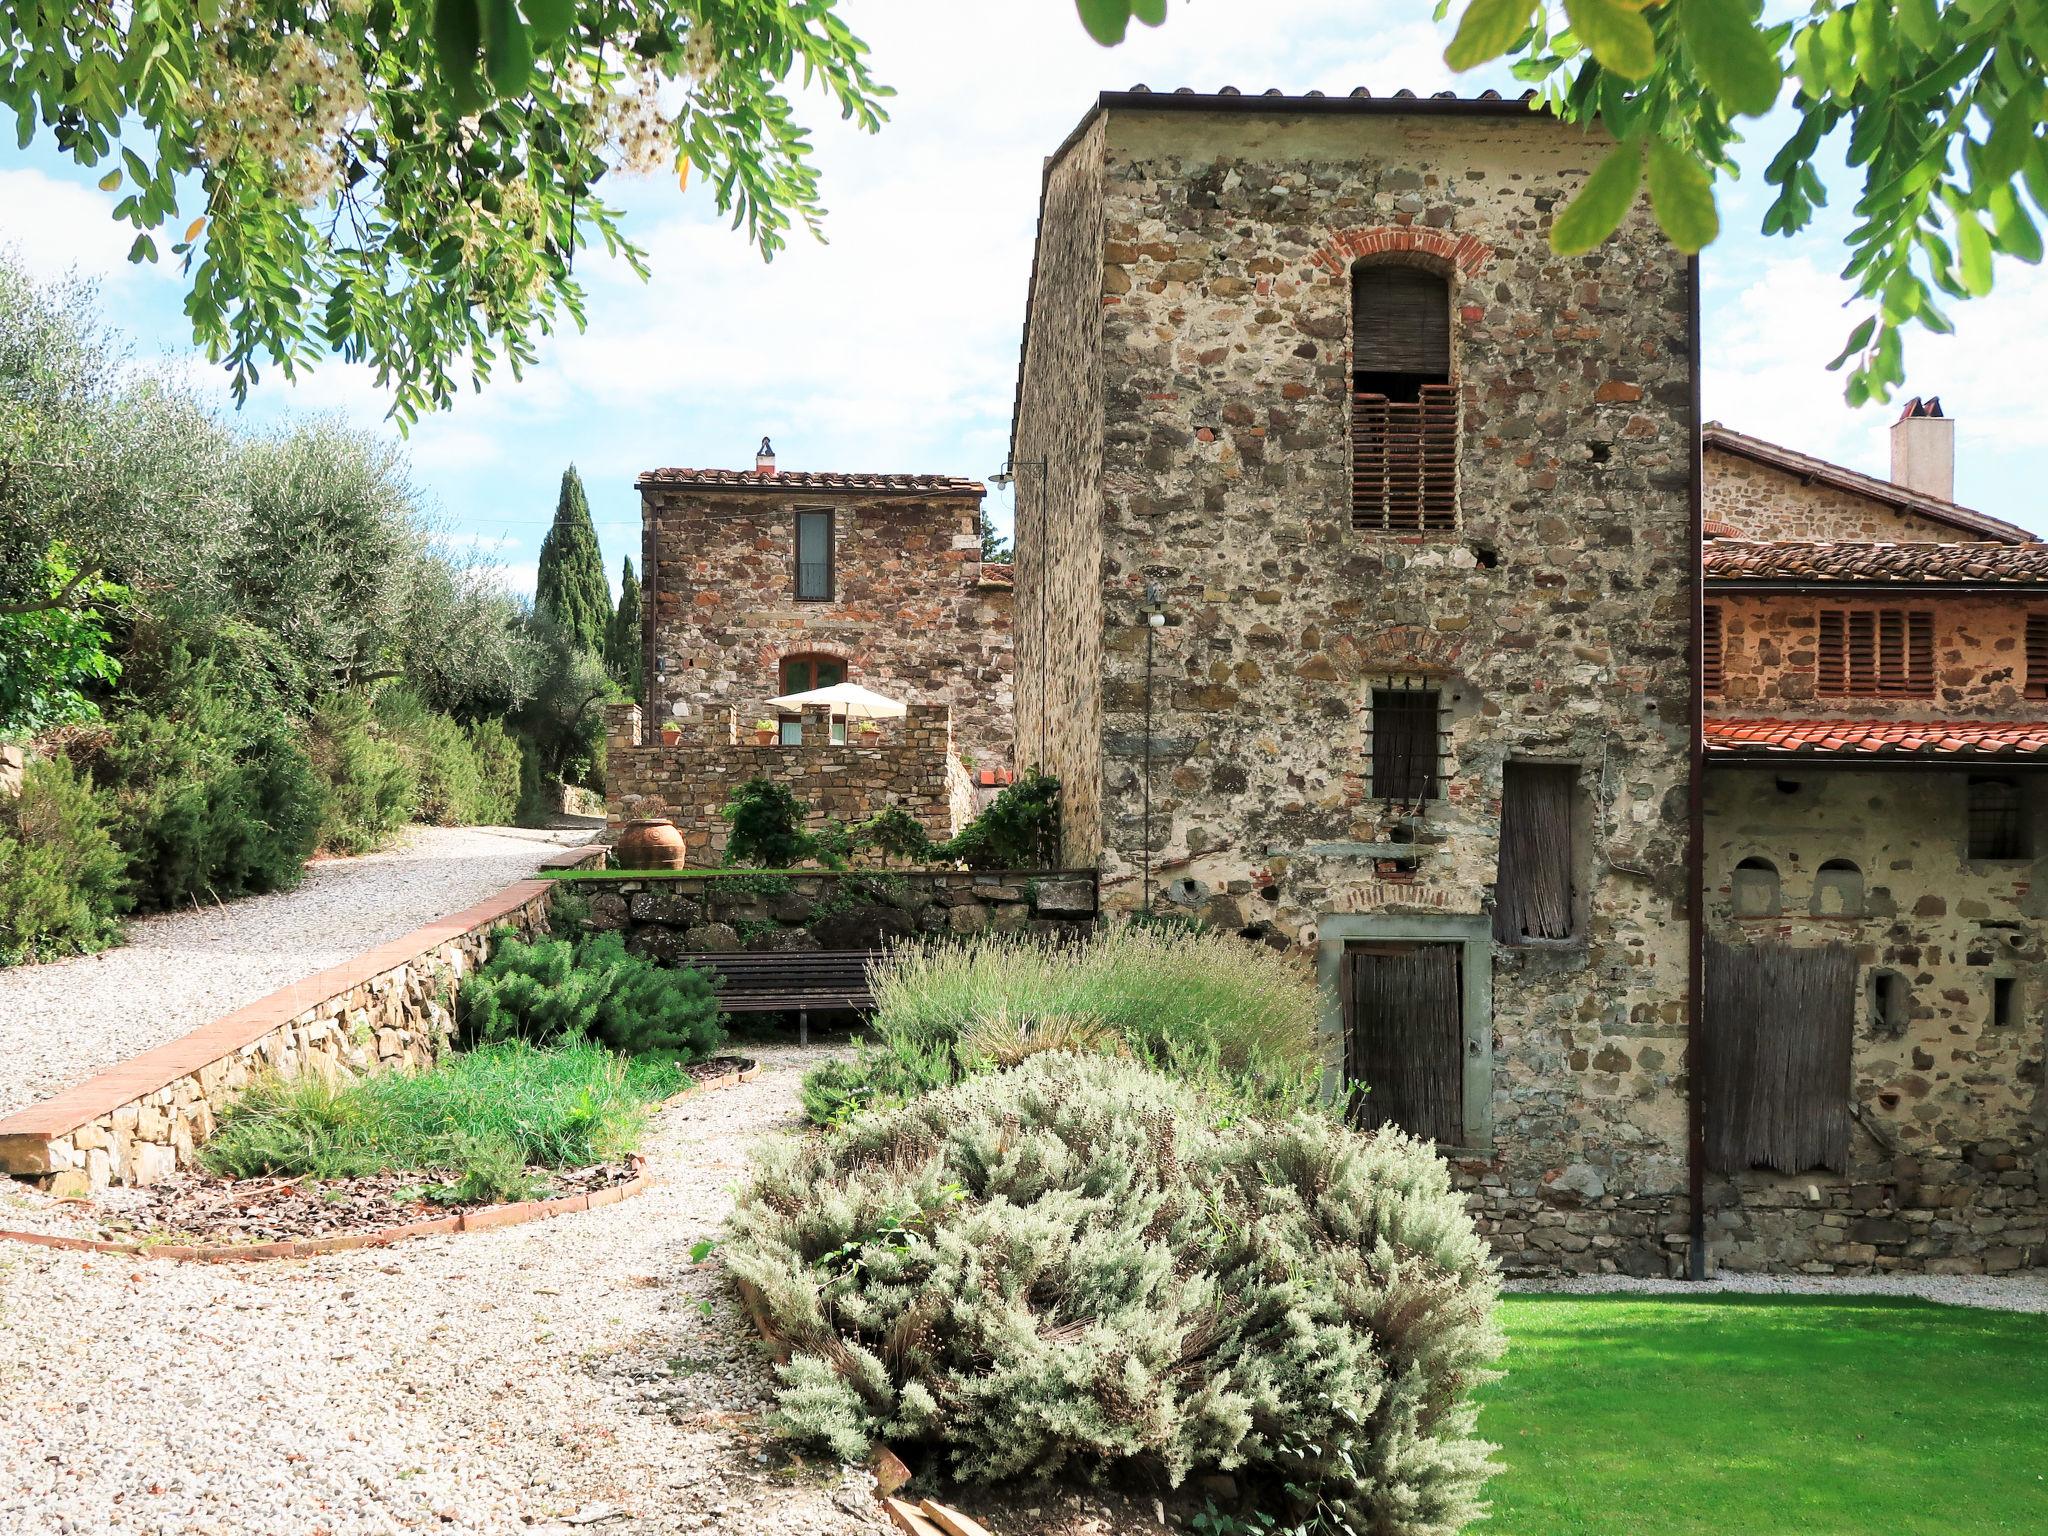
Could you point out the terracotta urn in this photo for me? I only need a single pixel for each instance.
(764, 736)
(652, 842)
(671, 733)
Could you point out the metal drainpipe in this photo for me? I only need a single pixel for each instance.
(1696, 829)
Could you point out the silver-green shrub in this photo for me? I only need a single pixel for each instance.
(1081, 1263)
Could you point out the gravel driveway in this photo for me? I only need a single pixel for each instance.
(63, 1022)
(499, 1381)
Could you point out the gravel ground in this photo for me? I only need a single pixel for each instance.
(547, 1378)
(2027, 1292)
(61, 1023)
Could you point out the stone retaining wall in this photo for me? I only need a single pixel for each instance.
(392, 1006)
(667, 915)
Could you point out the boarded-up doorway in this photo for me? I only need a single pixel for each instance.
(1404, 1036)
(1776, 1054)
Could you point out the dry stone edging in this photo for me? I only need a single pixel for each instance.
(140, 1120)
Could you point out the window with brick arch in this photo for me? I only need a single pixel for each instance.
(800, 674)
(1404, 408)
(1884, 653)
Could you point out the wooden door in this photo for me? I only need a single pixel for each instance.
(1404, 1037)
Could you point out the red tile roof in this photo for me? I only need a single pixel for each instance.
(991, 777)
(1856, 483)
(1791, 739)
(997, 573)
(2003, 565)
(809, 480)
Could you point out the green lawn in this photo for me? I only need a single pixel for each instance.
(1758, 1415)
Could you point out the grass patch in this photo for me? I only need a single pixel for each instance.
(480, 1121)
(1200, 1005)
(1767, 1416)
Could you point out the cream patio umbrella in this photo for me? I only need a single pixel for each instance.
(845, 701)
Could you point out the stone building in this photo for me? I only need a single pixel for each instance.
(1360, 610)
(1876, 682)
(1412, 500)
(759, 584)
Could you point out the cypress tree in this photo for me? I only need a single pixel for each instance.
(570, 588)
(622, 640)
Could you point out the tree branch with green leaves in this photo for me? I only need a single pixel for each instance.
(407, 183)
(1939, 107)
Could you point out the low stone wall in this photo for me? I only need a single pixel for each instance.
(667, 915)
(392, 1006)
(909, 763)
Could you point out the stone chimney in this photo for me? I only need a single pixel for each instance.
(764, 457)
(1924, 449)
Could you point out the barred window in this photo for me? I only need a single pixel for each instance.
(1407, 743)
(1876, 653)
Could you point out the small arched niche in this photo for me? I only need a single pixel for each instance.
(1838, 889)
(1753, 888)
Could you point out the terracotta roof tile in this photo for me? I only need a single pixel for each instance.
(997, 573)
(808, 480)
(2015, 565)
(1876, 738)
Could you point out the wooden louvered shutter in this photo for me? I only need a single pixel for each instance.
(1834, 676)
(2037, 655)
(1533, 896)
(1404, 1034)
(1400, 321)
(1919, 682)
(1710, 648)
(1777, 1041)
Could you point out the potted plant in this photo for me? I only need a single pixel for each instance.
(764, 733)
(671, 732)
(869, 728)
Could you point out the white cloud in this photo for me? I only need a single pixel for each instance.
(58, 228)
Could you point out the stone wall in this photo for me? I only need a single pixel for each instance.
(1770, 657)
(1058, 461)
(1760, 501)
(667, 915)
(1554, 622)
(910, 762)
(910, 615)
(13, 764)
(391, 1007)
(1948, 1167)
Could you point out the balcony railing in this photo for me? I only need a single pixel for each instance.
(1404, 462)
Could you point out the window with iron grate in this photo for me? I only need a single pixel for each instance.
(1710, 648)
(2037, 655)
(1885, 653)
(1407, 744)
(1998, 820)
(1404, 409)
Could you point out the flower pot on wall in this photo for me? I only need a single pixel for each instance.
(764, 735)
(652, 842)
(671, 733)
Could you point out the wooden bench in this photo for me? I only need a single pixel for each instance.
(788, 981)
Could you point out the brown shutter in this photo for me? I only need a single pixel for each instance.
(1710, 648)
(1400, 321)
(1779, 1031)
(1834, 678)
(1533, 890)
(1920, 654)
(1404, 462)
(2037, 655)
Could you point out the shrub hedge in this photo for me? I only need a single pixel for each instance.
(1081, 1265)
(555, 990)
(63, 880)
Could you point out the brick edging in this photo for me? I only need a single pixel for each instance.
(513, 1214)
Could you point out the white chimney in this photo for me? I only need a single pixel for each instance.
(764, 458)
(1924, 449)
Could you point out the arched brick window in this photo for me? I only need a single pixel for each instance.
(802, 672)
(1838, 889)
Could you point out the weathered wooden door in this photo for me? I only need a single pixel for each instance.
(1780, 1026)
(1404, 1037)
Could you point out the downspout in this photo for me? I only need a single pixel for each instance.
(1696, 824)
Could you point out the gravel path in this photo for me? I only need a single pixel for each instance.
(61, 1023)
(2024, 1292)
(500, 1381)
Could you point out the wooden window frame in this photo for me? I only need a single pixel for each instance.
(796, 537)
(782, 665)
(1875, 653)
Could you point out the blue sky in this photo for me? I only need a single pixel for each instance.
(893, 347)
